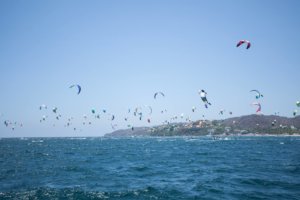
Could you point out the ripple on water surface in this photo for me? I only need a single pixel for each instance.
(150, 168)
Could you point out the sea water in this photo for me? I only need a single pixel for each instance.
(150, 168)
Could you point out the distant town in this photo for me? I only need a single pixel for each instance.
(244, 125)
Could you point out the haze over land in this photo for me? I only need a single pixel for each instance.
(244, 125)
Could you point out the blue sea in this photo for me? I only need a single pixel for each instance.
(150, 168)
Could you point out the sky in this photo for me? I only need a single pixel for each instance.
(122, 52)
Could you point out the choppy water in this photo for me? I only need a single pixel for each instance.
(150, 168)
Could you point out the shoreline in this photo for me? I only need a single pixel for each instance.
(149, 136)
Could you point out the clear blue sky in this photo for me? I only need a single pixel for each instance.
(122, 52)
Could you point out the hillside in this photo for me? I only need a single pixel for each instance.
(260, 124)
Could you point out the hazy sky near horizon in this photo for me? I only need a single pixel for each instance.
(122, 52)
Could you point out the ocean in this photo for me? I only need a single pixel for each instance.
(150, 168)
